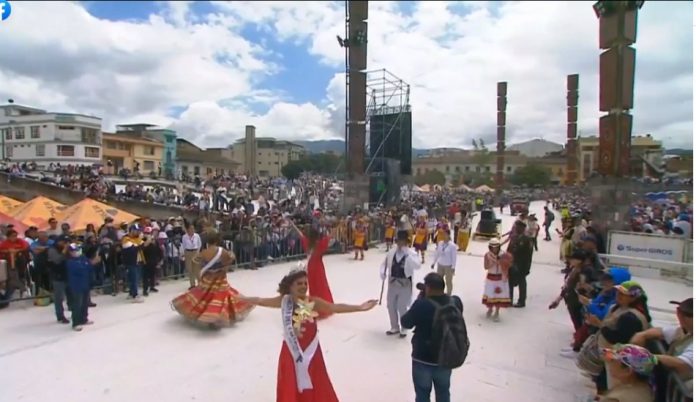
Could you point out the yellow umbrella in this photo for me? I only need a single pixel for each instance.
(89, 211)
(37, 211)
(7, 204)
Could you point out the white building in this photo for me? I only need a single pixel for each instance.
(35, 135)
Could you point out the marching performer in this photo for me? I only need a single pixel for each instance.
(302, 375)
(389, 231)
(496, 293)
(420, 241)
(464, 232)
(442, 228)
(397, 269)
(360, 239)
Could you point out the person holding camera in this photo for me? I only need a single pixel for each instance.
(397, 269)
(440, 341)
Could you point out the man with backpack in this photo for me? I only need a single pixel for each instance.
(440, 341)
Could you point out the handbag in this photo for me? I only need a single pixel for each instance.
(589, 358)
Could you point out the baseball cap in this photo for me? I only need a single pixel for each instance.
(685, 307)
(630, 288)
(433, 280)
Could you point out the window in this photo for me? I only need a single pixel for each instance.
(147, 150)
(40, 150)
(488, 168)
(66, 150)
(7, 133)
(447, 168)
(208, 171)
(91, 152)
(466, 168)
(457, 169)
(508, 169)
(197, 170)
(89, 135)
(418, 171)
(149, 165)
(8, 151)
(35, 132)
(110, 144)
(19, 133)
(66, 127)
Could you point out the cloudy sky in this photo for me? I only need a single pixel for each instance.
(209, 68)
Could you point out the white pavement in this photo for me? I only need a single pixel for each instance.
(141, 352)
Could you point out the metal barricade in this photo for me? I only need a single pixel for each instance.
(669, 385)
(658, 269)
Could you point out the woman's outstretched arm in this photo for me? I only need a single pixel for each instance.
(271, 302)
(338, 308)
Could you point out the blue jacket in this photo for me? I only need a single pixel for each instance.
(600, 305)
(79, 274)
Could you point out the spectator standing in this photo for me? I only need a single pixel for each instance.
(549, 217)
(153, 255)
(440, 342)
(56, 256)
(79, 269)
(132, 257)
(192, 244)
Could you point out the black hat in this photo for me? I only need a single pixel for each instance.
(402, 235)
(685, 307)
(433, 280)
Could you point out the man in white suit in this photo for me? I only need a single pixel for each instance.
(397, 269)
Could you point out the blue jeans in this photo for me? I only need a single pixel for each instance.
(425, 376)
(134, 275)
(80, 304)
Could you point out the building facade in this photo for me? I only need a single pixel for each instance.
(45, 138)
(270, 156)
(131, 152)
(646, 156)
(468, 162)
(165, 136)
(194, 161)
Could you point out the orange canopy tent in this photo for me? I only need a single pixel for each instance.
(89, 211)
(7, 204)
(37, 211)
(18, 226)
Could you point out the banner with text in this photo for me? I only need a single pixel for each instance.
(644, 245)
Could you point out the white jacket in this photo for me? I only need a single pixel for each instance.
(411, 264)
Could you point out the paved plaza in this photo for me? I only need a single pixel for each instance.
(139, 352)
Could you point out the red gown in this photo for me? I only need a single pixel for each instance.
(322, 389)
(316, 273)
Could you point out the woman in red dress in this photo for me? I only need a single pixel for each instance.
(302, 375)
(315, 245)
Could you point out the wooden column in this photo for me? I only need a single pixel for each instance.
(571, 178)
(500, 146)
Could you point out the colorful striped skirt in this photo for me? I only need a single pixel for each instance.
(212, 302)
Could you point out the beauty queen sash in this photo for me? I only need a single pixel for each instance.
(212, 262)
(301, 358)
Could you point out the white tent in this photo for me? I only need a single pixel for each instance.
(484, 189)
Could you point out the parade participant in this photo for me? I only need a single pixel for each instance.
(442, 228)
(302, 375)
(79, 268)
(464, 232)
(397, 268)
(315, 245)
(360, 239)
(446, 260)
(533, 230)
(213, 302)
(420, 241)
(496, 293)
(389, 232)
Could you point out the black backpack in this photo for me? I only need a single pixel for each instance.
(450, 340)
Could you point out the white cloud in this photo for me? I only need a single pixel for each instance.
(451, 53)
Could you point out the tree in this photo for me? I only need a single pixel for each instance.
(430, 177)
(473, 142)
(531, 175)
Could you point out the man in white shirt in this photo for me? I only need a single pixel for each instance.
(192, 244)
(680, 355)
(446, 260)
